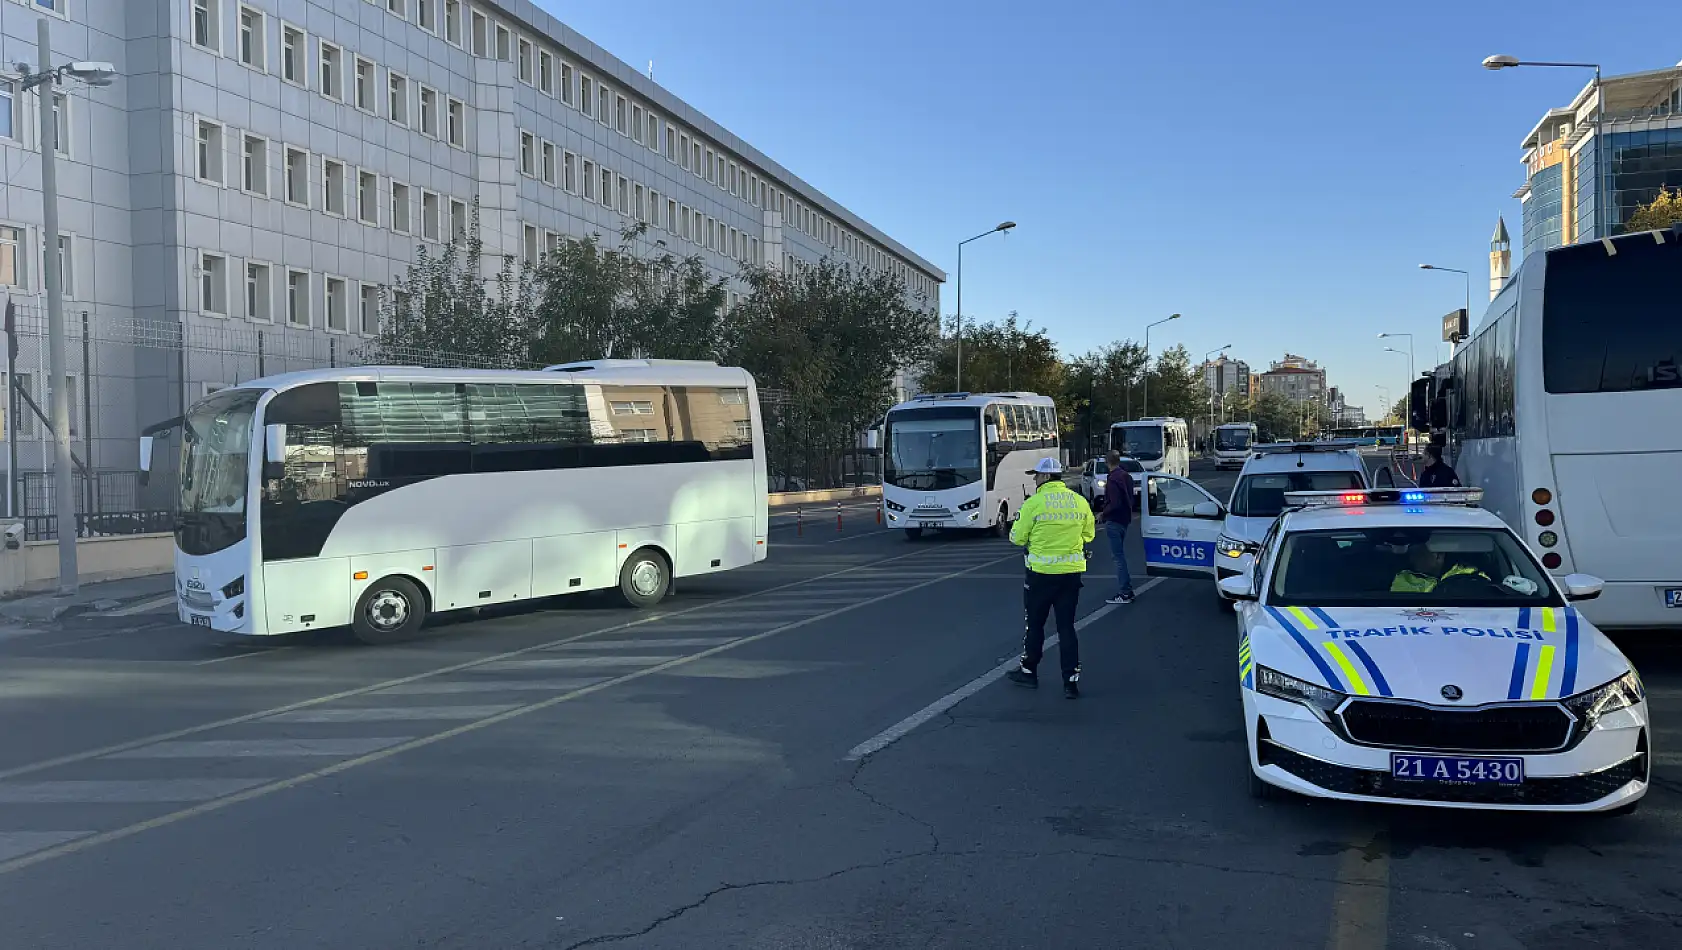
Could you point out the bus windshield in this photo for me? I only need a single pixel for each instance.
(1140, 442)
(933, 449)
(215, 454)
(1608, 322)
(1231, 440)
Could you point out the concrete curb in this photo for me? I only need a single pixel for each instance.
(784, 499)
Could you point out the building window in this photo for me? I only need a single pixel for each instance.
(683, 150)
(207, 24)
(369, 309)
(431, 215)
(589, 180)
(457, 121)
(546, 72)
(712, 172)
(399, 7)
(525, 65)
(365, 88)
(604, 104)
(298, 298)
(607, 188)
(368, 197)
(429, 112)
(400, 207)
(210, 152)
(11, 260)
(61, 126)
(756, 258)
(548, 163)
(527, 158)
(684, 220)
(66, 264)
(566, 82)
(8, 109)
(458, 220)
(636, 124)
(712, 235)
(292, 54)
(480, 28)
(452, 22)
(298, 176)
(252, 45)
(551, 242)
(333, 186)
(654, 132)
(695, 148)
(529, 245)
(213, 284)
(654, 207)
(569, 172)
(586, 95)
(671, 144)
(254, 176)
(632, 407)
(257, 292)
(504, 44)
(619, 119)
(332, 71)
(338, 303)
(426, 14)
(671, 215)
(398, 108)
(735, 180)
(624, 193)
(638, 209)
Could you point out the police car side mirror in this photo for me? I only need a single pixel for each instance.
(1207, 509)
(1237, 587)
(1582, 586)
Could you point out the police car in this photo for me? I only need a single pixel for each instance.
(1404, 646)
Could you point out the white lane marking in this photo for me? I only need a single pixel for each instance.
(484, 686)
(141, 607)
(645, 643)
(575, 662)
(855, 537)
(144, 791)
(14, 843)
(391, 713)
(241, 656)
(904, 727)
(260, 748)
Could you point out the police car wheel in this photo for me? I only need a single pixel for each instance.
(644, 579)
(913, 534)
(391, 610)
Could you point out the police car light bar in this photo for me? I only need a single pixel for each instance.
(1282, 448)
(1384, 496)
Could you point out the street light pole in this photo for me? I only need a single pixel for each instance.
(1407, 396)
(43, 82)
(1602, 153)
(1145, 397)
(1206, 368)
(958, 377)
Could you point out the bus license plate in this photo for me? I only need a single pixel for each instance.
(928, 524)
(1457, 769)
(198, 621)
(1673, 596)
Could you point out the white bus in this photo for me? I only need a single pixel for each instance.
(1160, 443)
(375, 496)
(957, 460)
(1232, 444)
(1565, 407)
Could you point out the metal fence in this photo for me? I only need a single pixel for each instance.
(803, 453)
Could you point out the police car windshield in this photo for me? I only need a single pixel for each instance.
(1263, 495)
(1129, 465)
(1407, 567)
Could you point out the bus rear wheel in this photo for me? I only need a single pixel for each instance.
(1001, 527)
(392, 609)
(644, 578)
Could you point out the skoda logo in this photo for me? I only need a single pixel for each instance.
(1452, 692)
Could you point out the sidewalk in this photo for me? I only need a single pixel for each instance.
(101, 596)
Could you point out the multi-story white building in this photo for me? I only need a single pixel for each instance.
(238, 201)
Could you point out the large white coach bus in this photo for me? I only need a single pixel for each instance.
(1160, 443)
(1233, 441)
(957, 460)
(1565, 407)
(375, 496)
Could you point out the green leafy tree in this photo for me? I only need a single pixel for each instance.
(1103, 386)
(1658, 214)
(1176, 387)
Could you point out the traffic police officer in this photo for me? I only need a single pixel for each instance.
(1055, 525)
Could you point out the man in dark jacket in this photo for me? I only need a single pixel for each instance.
(1438, 474)
(1116, 515)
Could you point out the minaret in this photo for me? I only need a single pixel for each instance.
(1500, 258)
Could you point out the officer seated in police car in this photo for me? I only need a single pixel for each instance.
(1425, 571)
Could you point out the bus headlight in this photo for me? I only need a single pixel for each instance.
(970, 505)
(894, 506)
(234, 588)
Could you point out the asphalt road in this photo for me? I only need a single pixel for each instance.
(813, 753)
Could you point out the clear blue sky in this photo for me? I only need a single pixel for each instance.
(1274, 174)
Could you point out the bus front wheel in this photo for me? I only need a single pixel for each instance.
(390, 610)
(644, 578)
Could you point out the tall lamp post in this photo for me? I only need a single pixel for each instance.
(43, 82)
(1206, 358)
(1407, 412)
(1145, 397)
(1453, 270)
(1603, 154)
(1001, 228)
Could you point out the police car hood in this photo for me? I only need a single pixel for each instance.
(1483, 654)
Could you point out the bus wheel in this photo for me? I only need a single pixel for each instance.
(390, 610)
(644, 578)
(1001, 528)
(913, 534)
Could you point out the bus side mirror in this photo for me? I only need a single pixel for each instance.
(274, 451)
(872, 439)
(1439, 414)
(992, 434)
(145, 458)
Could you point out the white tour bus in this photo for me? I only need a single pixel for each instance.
(1565, 407)
(1232, 443)
(1159, 443)
(375, 496)
(957, 460)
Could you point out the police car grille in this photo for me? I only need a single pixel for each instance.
(1538, 728)
(1570, 790)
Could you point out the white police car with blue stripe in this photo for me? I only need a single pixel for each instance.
(1404, 646)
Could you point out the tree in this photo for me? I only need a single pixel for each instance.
(1662, 212)
(1103, 387)
(999, 356)
(1176, 387)
(441, 313)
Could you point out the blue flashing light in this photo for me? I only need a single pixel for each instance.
(1413, 497)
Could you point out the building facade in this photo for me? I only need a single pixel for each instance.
(1295, 378)
(1588, 170)
(1223, 375)
(239, 202)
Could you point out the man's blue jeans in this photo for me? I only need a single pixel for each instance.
(1118, 548)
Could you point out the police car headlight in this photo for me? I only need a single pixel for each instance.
(1289, 688)
(1621, 693)
(1228, 547)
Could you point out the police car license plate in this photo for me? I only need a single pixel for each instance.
(1457, 769)
(1673, 596)
(198, 620)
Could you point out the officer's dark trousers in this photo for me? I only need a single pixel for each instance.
(1042, 594)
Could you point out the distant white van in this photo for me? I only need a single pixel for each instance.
(1159, 443)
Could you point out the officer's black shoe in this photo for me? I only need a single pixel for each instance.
(1071, 689)
(1022, 676)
